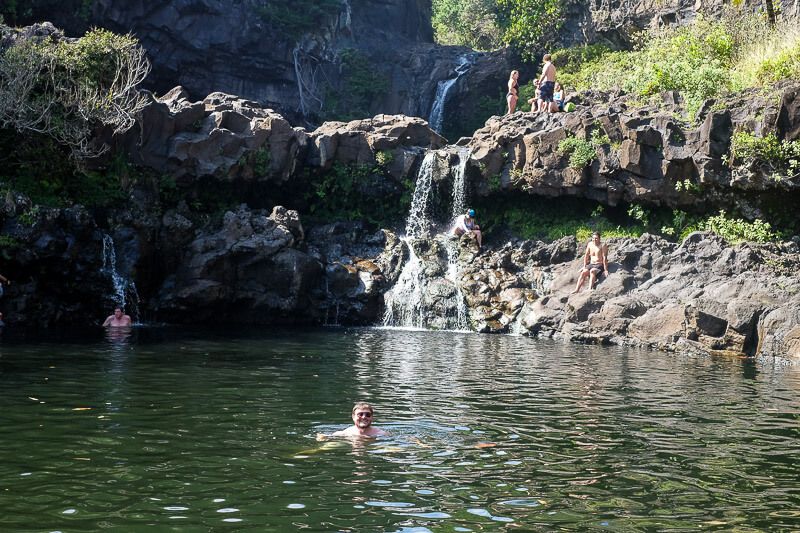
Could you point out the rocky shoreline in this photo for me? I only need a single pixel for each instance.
(258, 264)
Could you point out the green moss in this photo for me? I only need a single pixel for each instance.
(293, 20)
(357, 192)
(362, 85)
(580, 152)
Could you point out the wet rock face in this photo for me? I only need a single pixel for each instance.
(648, 157)
(249, 270)
(55, 263)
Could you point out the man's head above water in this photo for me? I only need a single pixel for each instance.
(362, 415)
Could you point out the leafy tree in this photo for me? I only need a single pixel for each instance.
(470, 23)
(527, 24)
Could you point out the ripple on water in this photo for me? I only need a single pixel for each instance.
(389, 504)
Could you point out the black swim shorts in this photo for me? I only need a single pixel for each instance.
(546, 90)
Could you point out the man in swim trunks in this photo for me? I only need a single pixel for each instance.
(466, 223)
(547, 83)
(595, 262)
(362, 423)
(118, 319)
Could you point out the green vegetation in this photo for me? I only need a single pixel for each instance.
(736, 230)
(357, 192)
(361, 87)
(580, 151)
(780, 156)
(292, 19)
(67, 90)
(551, 219)
(487, 24)
(703, 60)
(17, 12)
(470, 23)
(42, 170)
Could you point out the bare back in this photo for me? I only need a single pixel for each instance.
(548, 72)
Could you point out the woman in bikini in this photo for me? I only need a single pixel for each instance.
(513, 91)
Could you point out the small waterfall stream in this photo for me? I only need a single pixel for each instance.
(123, 287)
(436, 117)
(405, 302)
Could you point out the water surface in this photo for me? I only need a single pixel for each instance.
(196, 430)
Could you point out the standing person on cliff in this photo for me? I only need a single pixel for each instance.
(513, 91)
(547, 83)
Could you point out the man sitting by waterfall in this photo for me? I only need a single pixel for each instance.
(466, 224)
(118, 319)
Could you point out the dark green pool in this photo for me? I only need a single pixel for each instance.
(208, 431)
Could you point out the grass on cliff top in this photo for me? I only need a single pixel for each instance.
(705, 59)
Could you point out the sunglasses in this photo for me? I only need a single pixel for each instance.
(364, 415)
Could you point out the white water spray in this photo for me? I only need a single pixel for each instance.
(122, 286)
(405, 302)
(436, 117)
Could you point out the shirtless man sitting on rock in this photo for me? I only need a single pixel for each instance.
(595, 262)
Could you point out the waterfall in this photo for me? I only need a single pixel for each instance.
(418, 222)
(405, 302)
(459, 205)
(459, 183)
(436, 117)
(122, 286)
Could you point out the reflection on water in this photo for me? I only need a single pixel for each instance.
(193, 430)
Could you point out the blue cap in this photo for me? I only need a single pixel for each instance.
(471, 212)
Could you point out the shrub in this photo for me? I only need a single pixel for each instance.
(582, 152)
(778, 155)
(735, 230)
(67, 89)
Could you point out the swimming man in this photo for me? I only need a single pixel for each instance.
(118, 319)
(362, 423)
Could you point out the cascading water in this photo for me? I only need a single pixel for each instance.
(436, 117)
(406, 300)
(122, 286)
(459, 205)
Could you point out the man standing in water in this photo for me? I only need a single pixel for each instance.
(118, 319)
(595, 262)
(547, 84)
(362, 423)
